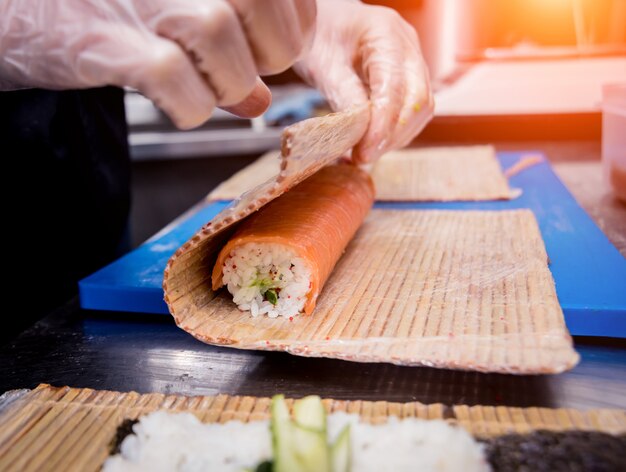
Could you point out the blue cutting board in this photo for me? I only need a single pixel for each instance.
(589, 272)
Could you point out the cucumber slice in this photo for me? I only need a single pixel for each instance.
(310, 449)
(310, 434)
(340, 451)
(309, 413)
(282, 437)
(299, 446)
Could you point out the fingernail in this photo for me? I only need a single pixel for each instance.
(255, 104)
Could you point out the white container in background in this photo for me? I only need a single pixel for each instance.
(614, 137)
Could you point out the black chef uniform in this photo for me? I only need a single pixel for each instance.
(66, 160)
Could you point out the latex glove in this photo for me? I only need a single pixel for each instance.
(362, 52)
(187, 56)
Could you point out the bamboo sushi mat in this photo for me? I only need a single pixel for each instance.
(451, 289)
(65, 428)
(462, 173)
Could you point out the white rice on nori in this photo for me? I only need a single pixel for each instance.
(251, 270)
(179, 442)
(409, 445)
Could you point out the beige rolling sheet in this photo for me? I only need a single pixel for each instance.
(452, 289)
(441, 174)
(261, 170)
(426, 174)
(71, 429)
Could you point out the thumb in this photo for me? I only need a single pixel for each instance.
(342, 87)
(254, 104)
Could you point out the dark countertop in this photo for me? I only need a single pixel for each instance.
(148, 353)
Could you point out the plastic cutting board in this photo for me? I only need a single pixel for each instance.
(589, 272)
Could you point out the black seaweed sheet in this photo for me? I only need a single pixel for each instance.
(570, 451)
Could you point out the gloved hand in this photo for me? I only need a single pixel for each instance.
(363, 52)
(187, 56)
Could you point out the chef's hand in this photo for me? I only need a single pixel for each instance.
(362, 53)
(187, 56)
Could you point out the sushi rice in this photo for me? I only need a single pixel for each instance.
(165, 441)
(267, 279)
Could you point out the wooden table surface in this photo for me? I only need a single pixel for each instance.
(148, 353)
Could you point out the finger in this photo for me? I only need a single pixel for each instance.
(382, 64)
(307, 17)
(277, 30)
(254, 104)
(345, 90)
(418, 105)
(211, 34)
(156, 67)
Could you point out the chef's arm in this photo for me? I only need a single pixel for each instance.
(187, 56)
(363, 52)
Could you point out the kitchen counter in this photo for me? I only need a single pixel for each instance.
(148, 353)
(123, 351)
(585, 181)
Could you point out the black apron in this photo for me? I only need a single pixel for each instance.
(66, 153)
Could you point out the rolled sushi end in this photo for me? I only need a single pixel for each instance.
(267, 279)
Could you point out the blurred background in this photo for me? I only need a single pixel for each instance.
(522, 73)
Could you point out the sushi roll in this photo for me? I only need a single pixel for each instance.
(277, 261)
(308, 440)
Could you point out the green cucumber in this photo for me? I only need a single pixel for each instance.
(309, 413)
(310, 449)
(300, 445)
(340, 451)
(271, 296)
(282, 437)
(310, 434)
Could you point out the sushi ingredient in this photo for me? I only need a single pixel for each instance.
(123, 430)
(271, 295)
(409, 445)
(163, 441)
(299, 445)
(291, 245)
(340, 451)
(552, 451)
(308, 441)
(256, 268)
(296, 446)
(309, 412)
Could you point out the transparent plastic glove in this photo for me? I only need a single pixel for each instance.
(361, 53)
(187, 56)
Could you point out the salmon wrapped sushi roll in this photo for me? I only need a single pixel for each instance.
(277, 261)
